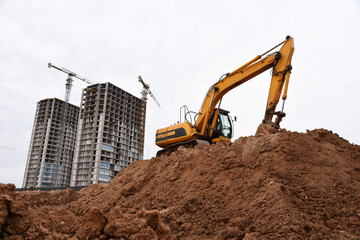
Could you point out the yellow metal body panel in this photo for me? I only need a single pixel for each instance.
(216, 114)
(221, 139)
(180, 132)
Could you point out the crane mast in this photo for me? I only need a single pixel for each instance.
(145, 91)
(69, 80)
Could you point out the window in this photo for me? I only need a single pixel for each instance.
(106, 147)
(226, 125)
(104, 171)
(48, 165)
(104, 177)
(223, 125)
(104, 165)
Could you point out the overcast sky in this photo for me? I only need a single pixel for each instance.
(180, 48)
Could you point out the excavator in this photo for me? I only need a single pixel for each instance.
(212, 124)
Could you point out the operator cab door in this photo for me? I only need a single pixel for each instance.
(223, 127)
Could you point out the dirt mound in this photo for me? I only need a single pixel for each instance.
(282, 186)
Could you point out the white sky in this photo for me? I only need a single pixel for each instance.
(180, 48)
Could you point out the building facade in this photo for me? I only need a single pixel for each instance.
(52, 144)
(109, 136)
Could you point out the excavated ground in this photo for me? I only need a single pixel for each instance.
(283, 186)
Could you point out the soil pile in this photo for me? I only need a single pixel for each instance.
(283, 186)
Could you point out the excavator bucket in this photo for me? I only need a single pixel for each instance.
(265, 129)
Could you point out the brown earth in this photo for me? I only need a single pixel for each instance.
(283, 186)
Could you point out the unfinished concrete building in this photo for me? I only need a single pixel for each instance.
(52, 144)
(110, 134)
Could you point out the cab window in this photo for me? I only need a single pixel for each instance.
(222, 126)
(225, 125)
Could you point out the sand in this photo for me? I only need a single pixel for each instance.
(287, 185)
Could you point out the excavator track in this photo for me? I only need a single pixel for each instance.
(188, 144)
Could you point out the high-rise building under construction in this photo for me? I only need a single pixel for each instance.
(52, 144)
(110, 134)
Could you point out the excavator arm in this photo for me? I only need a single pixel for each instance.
(281, 64)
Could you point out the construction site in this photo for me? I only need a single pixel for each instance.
(283, 186)
(202, 184)
(78, 146)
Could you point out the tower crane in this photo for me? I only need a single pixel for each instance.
(69, 80)
(146, 91)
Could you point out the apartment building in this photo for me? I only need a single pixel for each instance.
(52, 144)
(110, 134)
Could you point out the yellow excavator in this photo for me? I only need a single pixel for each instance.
(212, 124)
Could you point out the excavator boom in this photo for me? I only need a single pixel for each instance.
(281, 64)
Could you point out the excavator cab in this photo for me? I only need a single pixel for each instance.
(221, 128)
